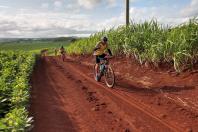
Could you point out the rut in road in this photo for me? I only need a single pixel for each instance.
(129, 105)
(61, 103)
(134, 85)
(66, 99)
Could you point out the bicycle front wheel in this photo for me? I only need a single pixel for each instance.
(96, 73)
(109, 77)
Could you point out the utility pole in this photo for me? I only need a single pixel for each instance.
(127, 26)
(127, 12)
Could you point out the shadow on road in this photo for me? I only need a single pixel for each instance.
(127, 87)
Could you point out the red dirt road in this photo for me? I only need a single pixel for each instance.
(66, 98)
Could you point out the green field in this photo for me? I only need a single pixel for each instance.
(35, 46)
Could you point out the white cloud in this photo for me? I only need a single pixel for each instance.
(44, 5)
(112, 3)
(191, 10)
(89, 4)
(132, 1)
(70, 20)
(2, 6)
(58, 4)
(140, 14)
(73, 8)
(170, 17)
(48, 24)
(111, 22)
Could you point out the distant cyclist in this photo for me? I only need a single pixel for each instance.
(99, 51)
(62, 51)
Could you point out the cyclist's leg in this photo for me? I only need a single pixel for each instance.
(62, 55)
(97, 64)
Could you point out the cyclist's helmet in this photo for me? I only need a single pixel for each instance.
(104, 39)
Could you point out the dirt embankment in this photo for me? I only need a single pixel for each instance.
(65, 97)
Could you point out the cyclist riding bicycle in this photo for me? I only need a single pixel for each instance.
(62, 51)
(99, 52)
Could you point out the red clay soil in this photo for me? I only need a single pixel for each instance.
(66, 98)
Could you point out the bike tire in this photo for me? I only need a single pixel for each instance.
(95, 77)
(94, 71)
(108, 71)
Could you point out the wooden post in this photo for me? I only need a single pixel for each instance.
(127, 12)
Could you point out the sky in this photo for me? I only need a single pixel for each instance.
(56, 18)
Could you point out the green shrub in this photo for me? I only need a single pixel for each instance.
(149, 42)
(15, 70)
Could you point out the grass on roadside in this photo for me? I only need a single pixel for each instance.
(149, 42)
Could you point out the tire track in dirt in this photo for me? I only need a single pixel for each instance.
(157, 97)
(60, 102)
(98, 104)
(131, 103)
(44, 102)
(65, 97)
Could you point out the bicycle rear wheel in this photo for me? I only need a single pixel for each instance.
(109, 77)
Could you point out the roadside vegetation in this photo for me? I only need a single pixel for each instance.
(15, 71)
(149, 43)
(17, 59)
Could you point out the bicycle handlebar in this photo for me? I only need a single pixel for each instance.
(108, 57)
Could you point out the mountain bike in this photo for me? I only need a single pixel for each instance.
(105, 70)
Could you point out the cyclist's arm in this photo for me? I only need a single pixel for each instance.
(109, 51)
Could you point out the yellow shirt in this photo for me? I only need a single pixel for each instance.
(102, 47)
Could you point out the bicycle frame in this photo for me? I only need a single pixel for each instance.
(103, 65)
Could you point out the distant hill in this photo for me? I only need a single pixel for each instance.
(71, 39)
